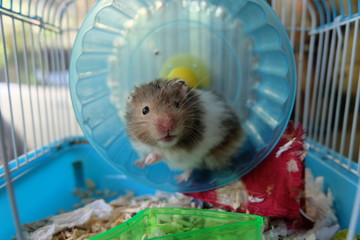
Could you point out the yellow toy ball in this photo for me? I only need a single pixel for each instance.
(185, 74)
(187, 67)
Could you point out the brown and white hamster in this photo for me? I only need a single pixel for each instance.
(186, 128)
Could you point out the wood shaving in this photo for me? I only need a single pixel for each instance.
(124, 208)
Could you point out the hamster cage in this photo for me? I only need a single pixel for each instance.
(44, 154)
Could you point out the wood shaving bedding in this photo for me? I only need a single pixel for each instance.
(124, 207)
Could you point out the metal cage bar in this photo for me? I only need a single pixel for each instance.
(328, 60)
(328, 99)
(36, 38)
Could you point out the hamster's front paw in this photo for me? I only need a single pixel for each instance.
(152, 158)
(140, 163)
(184, 177)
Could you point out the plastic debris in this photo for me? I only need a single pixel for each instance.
(341, 235)
(98, 208)
(318, 204)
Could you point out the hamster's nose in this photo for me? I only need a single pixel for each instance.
(165, 125)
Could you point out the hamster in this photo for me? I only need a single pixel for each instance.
(186, 128)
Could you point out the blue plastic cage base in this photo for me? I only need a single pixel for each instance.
(45, 186)
(342, 182)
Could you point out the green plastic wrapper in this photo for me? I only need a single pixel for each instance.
(342, 235)
(186, 223)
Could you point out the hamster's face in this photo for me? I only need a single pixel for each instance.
(157, 111)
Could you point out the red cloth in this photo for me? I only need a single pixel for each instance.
(274, 188)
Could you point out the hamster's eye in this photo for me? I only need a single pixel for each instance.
(177, 104)
(145, 110)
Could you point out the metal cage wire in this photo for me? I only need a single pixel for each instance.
(36, 45)
(36, 113)
(35, 108)
(327, 53)
(328, 67)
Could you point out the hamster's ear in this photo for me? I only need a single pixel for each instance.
(182, 84)
(130, 100)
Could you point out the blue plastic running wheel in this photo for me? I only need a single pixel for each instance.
(237, 47)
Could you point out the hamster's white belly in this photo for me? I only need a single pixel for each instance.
(183, 160)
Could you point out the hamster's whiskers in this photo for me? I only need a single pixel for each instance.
(192, 135)
(188, 108)
(138, 123)
(190, 139)
(187, 100)
(197, 84)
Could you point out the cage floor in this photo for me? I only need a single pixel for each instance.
(45, 186)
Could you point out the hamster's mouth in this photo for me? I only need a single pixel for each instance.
(167, 138)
